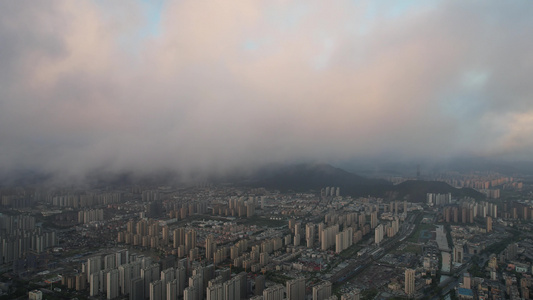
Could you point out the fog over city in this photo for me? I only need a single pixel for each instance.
(216, 86)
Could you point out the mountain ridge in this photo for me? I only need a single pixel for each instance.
(313, 177)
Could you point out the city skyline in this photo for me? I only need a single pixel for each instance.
(213, 87)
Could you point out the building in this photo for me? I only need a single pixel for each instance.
(373, 219)
(181, 277)
(137, 289)
(155, 290)
(210, 247)
(328, 236)
(310, 234)
(35, 295)
(197, 281)
(274, 292)
(124, 276)
(167, 275)
(467, 281)
(409, 282)
(149, 274)
(94, 284)
(264, 259)
(296, 289)
(190, 240)
(259, 285)
(489, 224)
(232, 289)
(215, 292)
(378, 234)
(190, 293)
(354, 295)
(112, 284)
(322, 291)
(94, 265)
(172, 290)
(458, 253)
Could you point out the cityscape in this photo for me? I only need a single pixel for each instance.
(242, 242)
(266, 150)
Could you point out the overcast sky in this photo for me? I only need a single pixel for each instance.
(204, 86)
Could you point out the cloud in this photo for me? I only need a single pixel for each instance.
(219, 85)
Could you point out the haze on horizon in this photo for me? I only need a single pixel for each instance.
(215, 86)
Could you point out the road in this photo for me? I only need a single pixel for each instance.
(452, 282)
(360, 264)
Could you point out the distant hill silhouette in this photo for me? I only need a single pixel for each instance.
(307, 177)
(296, 178)
(416, 190)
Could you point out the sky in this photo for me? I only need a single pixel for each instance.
(216, 86)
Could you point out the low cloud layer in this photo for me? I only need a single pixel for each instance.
(213, 86)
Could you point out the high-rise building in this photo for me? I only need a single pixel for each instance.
(122, 257)
(215, 292)
(155, 290)
(112, 284)
(165, 235)
(409, 281)
(297, 239)
(172, 290)
(489, 224)
(149, 274)
(373, 219)
(81, 282)
(94, 284)
(137, 289)
(190, 293)
(322, 290)
(264, 259)
(343, 240)
(179, 237)
(94, 265)
(328, 236)
(190, 240)
(378, 234)
(210, 247)
(243, 283)
(259, 285)
(250, 209)
(296, 289)
(181, 277)
(232, 289)
(124, 278)
(361, 220)
(197, 281)
(167, 275)
(310, 234)
(274, 292)
(110, 261)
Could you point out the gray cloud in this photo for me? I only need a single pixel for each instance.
(231, 85)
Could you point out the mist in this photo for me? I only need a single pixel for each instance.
(216, 87)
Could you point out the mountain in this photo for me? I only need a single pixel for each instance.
(306, 177)
(296, 178)
(416, 190)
